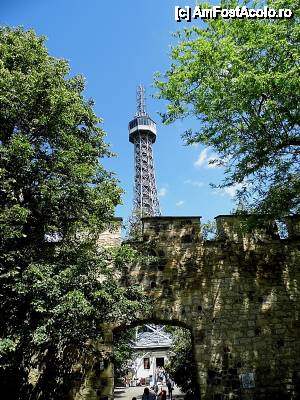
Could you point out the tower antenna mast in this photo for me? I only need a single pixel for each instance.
(140, 100)
(142, 134)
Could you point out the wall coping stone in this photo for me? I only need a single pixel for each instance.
(162, 217)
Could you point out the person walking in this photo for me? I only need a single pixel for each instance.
(170, 386)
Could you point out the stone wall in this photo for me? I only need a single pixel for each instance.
(239, 296)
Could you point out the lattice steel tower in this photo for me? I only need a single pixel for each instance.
(142, 133)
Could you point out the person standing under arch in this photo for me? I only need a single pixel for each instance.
(170, 386)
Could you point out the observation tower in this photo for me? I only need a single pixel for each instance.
(142, 133)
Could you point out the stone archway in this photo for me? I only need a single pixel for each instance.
(238, 294)
(100, 383)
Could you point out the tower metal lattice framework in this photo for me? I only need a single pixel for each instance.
(142, 133)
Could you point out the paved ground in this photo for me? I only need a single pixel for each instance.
(122, 393)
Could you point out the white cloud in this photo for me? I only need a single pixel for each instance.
(194, 183)
(205, 160)
(202, 158)
(162, 192)
(179, 203)
(229, 191)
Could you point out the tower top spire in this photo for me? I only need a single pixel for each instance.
(141, 101)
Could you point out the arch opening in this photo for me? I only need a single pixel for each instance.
(155, 354)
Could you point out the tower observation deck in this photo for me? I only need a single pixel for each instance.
(142, 133)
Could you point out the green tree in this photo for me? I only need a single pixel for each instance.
(123, 352)
(182, 367)
(240, 79)
(57, 284)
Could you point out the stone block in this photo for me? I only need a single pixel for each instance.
(236, 228)
(293, 226)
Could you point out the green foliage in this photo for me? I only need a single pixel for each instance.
(240, 79)
(6, 345)
(182, 366)
(123, 352)
(57, 285)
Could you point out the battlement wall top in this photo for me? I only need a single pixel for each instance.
(185, 229)
(235, 228)
(150, 223)
(238, 228)
(171, 217)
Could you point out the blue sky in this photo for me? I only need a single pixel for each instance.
(116, 45)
